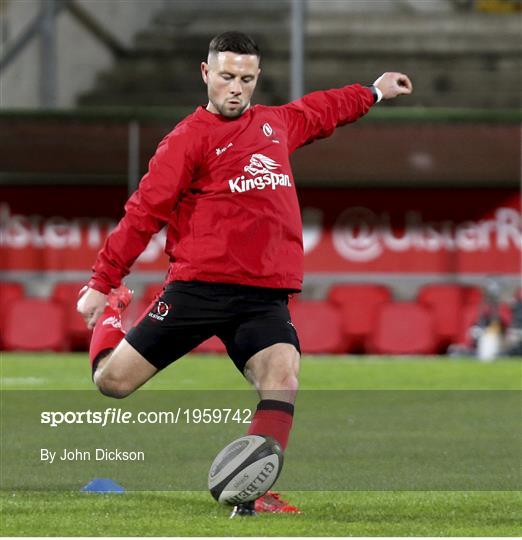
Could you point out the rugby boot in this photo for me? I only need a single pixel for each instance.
(108, 331)
(120, 298)
(271, 502)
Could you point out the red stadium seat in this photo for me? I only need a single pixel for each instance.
(293, 299)
(470, 316)
(150, 291)
(34, 325)
(136, 309)
(404, 328)
(319, 326)
(134, 312)
(9, 292)
(358, 305)
(506, 314)
(446, 300)
(78, 334)
(473, 295)
(211, 345)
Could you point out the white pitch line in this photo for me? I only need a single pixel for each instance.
(13, 381)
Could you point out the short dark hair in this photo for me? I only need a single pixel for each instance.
(236, 42)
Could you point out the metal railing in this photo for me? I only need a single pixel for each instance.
(132, 134)
(43, 26)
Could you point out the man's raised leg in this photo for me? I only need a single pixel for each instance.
(122, 371)
(117, 368)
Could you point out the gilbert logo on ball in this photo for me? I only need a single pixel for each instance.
(245, 469)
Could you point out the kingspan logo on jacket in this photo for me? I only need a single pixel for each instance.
(262, 172)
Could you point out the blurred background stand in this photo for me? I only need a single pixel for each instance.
(406, 212)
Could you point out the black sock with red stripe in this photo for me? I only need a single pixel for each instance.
(273, 418)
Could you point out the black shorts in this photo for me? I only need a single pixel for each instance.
(247, 320)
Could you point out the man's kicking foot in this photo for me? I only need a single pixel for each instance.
(270, 502)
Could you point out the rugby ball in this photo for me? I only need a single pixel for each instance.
(245, 469)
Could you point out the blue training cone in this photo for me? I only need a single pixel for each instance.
(103, 485)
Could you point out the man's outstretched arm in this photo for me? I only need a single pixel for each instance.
(146, 212)
(318, 114)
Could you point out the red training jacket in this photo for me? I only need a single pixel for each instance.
(225, 189)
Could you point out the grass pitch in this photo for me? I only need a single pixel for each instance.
(354, 513)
